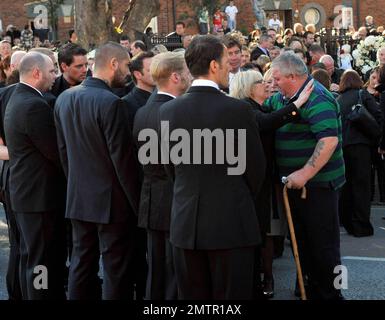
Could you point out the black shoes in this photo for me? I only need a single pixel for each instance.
(268, 287)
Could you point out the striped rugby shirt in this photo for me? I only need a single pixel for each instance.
(295, 142)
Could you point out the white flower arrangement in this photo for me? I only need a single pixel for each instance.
(365, 54)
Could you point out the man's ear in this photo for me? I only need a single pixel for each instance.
(36, 73)
(137, 75)
(63, 66)
(114, 64)
(213, 66)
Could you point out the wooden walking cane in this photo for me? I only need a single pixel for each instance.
(292, 236)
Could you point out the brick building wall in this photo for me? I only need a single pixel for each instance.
(15, 12)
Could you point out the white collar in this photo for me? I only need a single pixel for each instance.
(166, 94)
(204, 83)
(31, 87)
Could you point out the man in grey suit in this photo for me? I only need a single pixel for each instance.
(97, 154)
(214, 226)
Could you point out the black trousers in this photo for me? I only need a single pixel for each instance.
(140, 263)
(355, 195)
(42, 241)
(161, 280)
(316, 227)
(215, 274)
(13, 270)
(115, 244)
(378, 165)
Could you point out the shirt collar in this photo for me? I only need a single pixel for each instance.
(204, 83)
(31, 87)
(166, 94)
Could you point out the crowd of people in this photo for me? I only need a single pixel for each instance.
(76, 190)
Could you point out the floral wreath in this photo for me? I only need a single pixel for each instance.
(365, 55)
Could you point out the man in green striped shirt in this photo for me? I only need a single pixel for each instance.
(308, 152)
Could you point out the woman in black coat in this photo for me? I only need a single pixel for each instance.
(357, 145)
(251, 87)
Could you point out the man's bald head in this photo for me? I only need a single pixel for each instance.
(107, 52)
(37, 70)
(16, 58)
(31, 61)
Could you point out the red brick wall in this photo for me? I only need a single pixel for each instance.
(13, 12)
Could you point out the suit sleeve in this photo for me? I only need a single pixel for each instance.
(116, 126)
(276, 119)
(61, 142)
(41, 130)
(255, 157)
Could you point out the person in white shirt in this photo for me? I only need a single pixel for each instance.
(274, 23)
(231, 12)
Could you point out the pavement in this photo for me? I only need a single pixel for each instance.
(364, 259)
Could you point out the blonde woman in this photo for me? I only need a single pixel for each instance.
(251, 87)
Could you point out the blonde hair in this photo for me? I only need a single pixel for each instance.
(164, 64)
(242, 83)
(311, 27)
(268, 75)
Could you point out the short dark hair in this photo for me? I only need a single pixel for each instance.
(181, 23)
(317, 66)
(231, 42)
(125, 37)
(307, 33)
(70, 32)
(350, 80)
(108, 51)
(139, 44)
(202, 50)
(322, 76)
(136, 63)
(316, 48)
(68, 51)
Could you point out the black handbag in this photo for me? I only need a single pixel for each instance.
(363, 120)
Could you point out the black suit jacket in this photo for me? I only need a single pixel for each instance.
(156, 195)
(36, 179)
(59, 86)
(96, 151)
(136, 99)
(257, 52)
(211, 209)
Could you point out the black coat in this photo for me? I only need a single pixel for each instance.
(156, 195)
(97, 154)
(136, 99)
(257, 52)
(351, 133)
(59, 86)
(212, 209)
(36, 178)
(268, 123)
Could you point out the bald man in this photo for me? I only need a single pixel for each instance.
(36, 180)
(334, 73)
(102, 173)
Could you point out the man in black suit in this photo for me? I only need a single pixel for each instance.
(144, 84)
(265, 44)
(172, 77)
(73, 64)
(137, 98)
(214, 226)
(102, 172)
(36, 181)
(334, 73)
